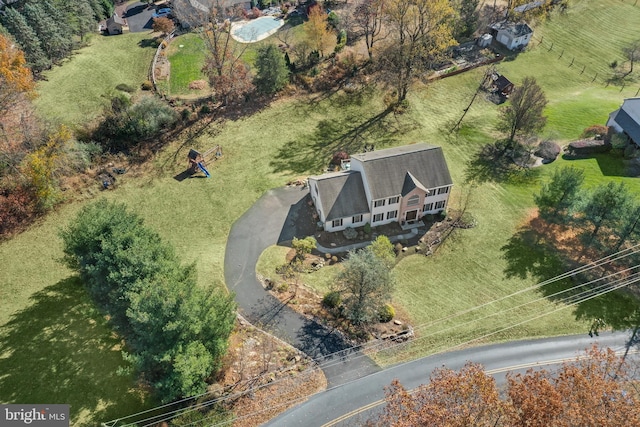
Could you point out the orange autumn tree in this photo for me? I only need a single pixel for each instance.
(596, 390)
(16, 79)
(592, 391)
(454, 399)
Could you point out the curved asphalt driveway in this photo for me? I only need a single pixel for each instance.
(353, 403)
(275, 218)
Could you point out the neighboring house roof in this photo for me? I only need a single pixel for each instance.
(501, 82)
(386, 170)
(342, 194)
(515, 30)
(115, 19)
(526, 7)
(628, 118)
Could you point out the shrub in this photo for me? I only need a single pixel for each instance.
(594, 130)
(342, 40)
(78, 156)
(349, 233)
(338, 157)
(303, 246)
(185, 114)
(589, 146)
(367, 228)
(548, 150)
(631, 151)
(197, 85)
(386, 313)
(205, 109)
(126, 88)
(147, 85)
(125, 125)
(332, 299)
(333, 19)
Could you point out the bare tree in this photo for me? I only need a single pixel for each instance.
(368, 18)
(632, 53)
(524, 113)
(420, 32)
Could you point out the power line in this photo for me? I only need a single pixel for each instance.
(329, 362)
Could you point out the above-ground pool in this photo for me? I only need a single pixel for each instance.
(255, 30)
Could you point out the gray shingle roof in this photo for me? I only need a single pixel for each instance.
(342, 194)
(386, 170)
(628, 117)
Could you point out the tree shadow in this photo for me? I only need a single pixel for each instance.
(531, 253)
(350, 133)
(148, 43)
(61, 350)
(490, 164)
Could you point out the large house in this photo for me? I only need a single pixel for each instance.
(513, 36)
(626, 119)
(399, 184)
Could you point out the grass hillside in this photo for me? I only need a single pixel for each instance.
(42, 303)
(77, 91)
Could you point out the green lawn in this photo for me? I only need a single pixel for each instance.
(77, 91)
(186, 55)
(41, 301)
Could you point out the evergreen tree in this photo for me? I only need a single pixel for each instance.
(27, 38)
(272, 73)
(176, 331)
(54, 37)
(606, 206)
(78, 15)
(468, 21)
(557, 197)
(98, 11)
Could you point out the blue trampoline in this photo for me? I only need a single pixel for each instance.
(257, 29)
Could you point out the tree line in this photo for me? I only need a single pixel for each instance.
(48, 30)
(175, 332)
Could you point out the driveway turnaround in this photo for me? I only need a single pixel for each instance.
(353, 403)
(276, 218)
(139, 17)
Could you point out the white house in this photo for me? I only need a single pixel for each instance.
(399, 184)
(513, 36)
(626, 119)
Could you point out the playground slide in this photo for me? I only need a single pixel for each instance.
(203, 169)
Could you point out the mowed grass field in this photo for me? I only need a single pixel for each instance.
(78, 91)
(43, 309)
(186, 55)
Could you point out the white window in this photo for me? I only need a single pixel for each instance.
(392, 214)
(378, 217)
(432, 192)
(394, 200)
(379, 203)
(440, 204)
(337, 222)
(356, 219)
(428, 207)
(443, 190)
(413, 200)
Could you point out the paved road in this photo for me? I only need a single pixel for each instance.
(277, 218)
(325, 407)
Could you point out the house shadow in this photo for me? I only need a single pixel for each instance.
(299, 222)
(60, 349)
(612, 163)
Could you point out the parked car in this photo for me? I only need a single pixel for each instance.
(165, 12)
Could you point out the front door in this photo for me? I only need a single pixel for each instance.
(411, 215)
